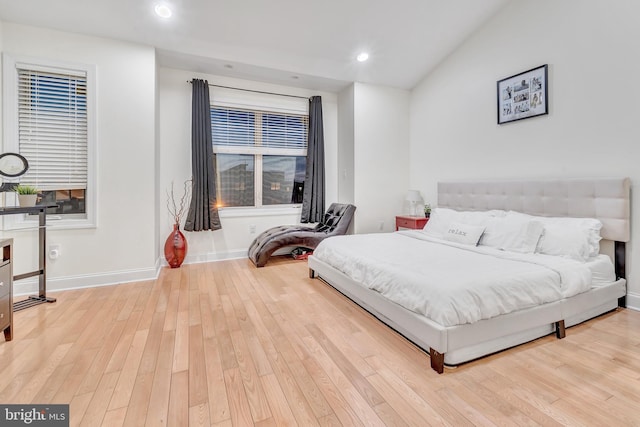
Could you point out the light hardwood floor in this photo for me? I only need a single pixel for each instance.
(228, 344)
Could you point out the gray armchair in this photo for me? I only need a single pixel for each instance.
(335, 221)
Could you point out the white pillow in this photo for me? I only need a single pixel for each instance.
(439, 221)
(566, 241)
(441, 218)
(465, 234)
(568, 228)
(513, 233)
(590, 227)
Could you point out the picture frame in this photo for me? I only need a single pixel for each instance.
(523, 95)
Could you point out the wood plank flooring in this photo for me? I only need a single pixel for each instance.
(226, 344)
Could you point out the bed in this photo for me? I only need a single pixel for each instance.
(451, 341)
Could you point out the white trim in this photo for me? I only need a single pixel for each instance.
(243, 212)
(210, 257)
(30, 286)
(10, 143)
(633, 301)
(256, 149)
(257, 181)
(50, 66)
(249, 100)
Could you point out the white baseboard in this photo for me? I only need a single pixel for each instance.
(30, 286)
(208, 257)
(633, 301)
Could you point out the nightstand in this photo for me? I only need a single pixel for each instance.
(412, 222)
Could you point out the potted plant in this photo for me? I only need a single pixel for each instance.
(427, 210)
(27, 195)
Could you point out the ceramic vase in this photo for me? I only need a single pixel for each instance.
(175, 247)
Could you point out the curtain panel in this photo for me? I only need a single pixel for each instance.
(313, 193)
(203, 211)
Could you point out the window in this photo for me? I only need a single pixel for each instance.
(48, 116)
(260, 156)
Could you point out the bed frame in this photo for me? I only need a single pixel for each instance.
(607, 199)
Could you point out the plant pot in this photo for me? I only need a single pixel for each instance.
(27, 200)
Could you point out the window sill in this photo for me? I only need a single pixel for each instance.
(257, 212)
(23, 223)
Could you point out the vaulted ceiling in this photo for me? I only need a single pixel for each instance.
(296, 42)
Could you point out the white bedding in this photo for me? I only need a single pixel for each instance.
(450, 283)
(602, 270)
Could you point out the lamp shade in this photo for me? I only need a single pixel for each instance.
(414, 196)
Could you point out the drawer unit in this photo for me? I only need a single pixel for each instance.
(6, 289)
(5, 278)
(412, 222)
(6, 311)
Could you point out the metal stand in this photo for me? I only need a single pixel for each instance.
(41, 298)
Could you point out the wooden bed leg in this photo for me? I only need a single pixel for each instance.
(560, 332)
(437, 361)
(312, 274)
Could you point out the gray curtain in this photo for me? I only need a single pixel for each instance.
(313, 193)
(203, 213)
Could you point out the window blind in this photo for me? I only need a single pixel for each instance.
(284, 131)
(52, 127)
(262, 130)
(233, 127)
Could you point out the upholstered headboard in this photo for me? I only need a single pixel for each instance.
(606, 199)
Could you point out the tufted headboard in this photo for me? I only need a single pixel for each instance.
(606, 199)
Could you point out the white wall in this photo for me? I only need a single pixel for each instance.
(381, 155)
(345, 148)
(122, 246)
(143, 137)
(592, 129)
(234, 238)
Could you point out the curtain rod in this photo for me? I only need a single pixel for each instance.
(255, 91)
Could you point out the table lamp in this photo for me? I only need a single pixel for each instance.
(414, 197)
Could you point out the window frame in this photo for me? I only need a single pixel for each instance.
(258, 152)
(11, 64)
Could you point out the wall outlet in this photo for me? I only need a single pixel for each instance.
(252, 229)
(381, 225)
(55, 251)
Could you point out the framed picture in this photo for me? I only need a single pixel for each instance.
(523, 95)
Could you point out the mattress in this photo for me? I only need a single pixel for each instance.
(454, 284)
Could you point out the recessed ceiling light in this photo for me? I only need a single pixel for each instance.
(362, 57)
(163, 11)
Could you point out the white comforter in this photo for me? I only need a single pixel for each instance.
(449, 283)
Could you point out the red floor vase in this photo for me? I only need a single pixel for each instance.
(175, 247)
